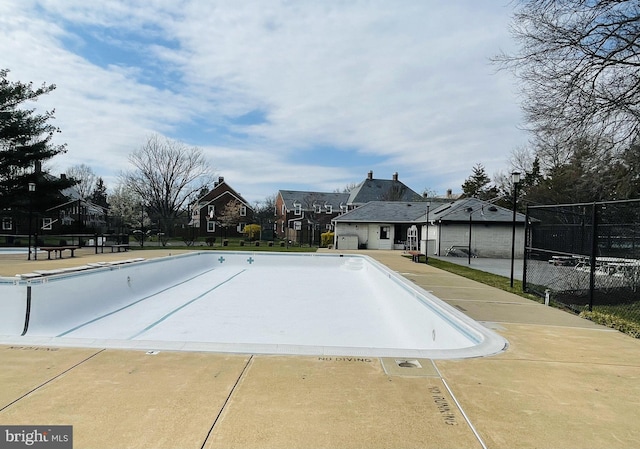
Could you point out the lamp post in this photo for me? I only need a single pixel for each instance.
(426, 241)
(470, 210)
(515, 179)
(32, 188)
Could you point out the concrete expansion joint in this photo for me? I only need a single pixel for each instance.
(226, 401)
(48, 381)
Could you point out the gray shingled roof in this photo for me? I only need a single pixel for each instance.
(381, 190)
(481, 211)
(415, 212)
(306, 199)
(386, 212)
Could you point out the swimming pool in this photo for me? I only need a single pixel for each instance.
(279, 303)
(13, 251)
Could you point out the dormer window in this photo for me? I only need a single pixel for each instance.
(328, 208)
(297, 208)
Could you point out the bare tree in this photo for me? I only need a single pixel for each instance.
(347, 188)
(85, 178)
(580, 63)
(166, 173)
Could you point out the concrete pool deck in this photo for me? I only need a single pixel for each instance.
(564, 382)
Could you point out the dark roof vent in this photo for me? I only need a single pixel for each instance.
(493, 209)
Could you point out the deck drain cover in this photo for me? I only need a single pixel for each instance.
(409, 367)
(408, 364)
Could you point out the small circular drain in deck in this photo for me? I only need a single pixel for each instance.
(408, 364)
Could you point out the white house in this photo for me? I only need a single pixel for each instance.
(483, 226)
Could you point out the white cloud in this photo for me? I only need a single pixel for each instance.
(407, 85)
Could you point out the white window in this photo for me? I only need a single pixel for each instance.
(7, 224)
(240, 227)
(329, 208)
(211, 226)
(47, 224)
(284, 209)
(243, 211)
(384, 232)
(317, 208)
(297, 209)
(211, 211)
(329, 227)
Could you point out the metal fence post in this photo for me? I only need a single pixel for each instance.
(525, 239)
(594, 250)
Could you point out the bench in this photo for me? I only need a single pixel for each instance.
(415, 255)
(119, 247)
(58, 250)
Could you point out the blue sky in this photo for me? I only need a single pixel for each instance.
(304, 95)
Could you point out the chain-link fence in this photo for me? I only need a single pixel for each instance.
(586, 256)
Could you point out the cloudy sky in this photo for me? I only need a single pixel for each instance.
(290, 94)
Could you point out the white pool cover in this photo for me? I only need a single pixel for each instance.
(313, 304)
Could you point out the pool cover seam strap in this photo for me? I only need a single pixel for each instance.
(86, 323)
(177, 309)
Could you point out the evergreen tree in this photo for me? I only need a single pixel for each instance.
(99, 194)
(478, 185)
(25, 143)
